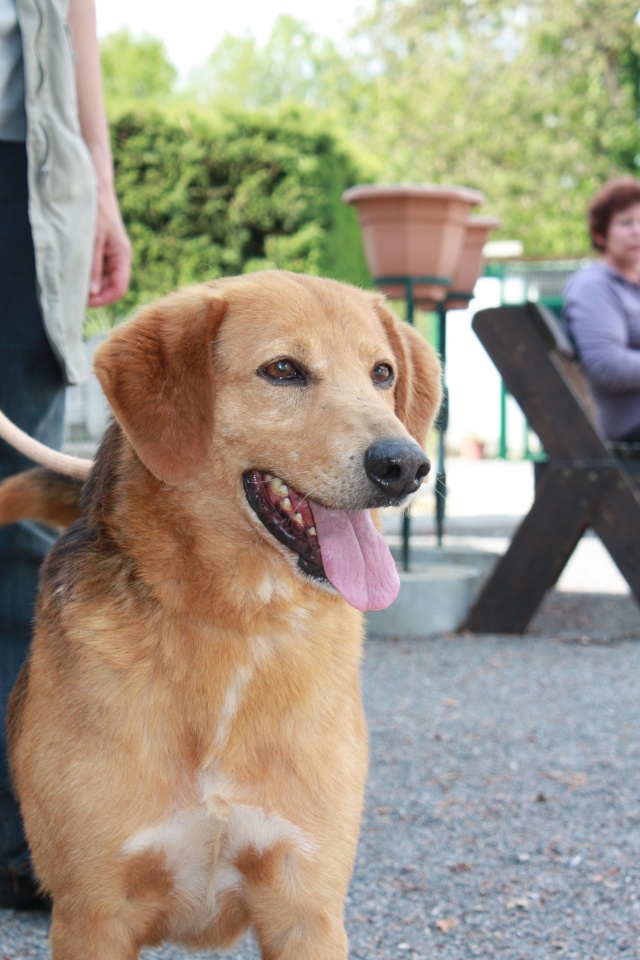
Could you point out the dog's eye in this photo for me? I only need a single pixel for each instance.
(282, 371)
(382, 374)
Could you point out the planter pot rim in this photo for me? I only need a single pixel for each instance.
(483, 223)
(411, 191)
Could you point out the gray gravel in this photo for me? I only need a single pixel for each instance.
(503, 807)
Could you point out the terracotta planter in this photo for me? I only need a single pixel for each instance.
(471, 262)
(413, 231)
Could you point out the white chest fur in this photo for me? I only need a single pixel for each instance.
(201, 845)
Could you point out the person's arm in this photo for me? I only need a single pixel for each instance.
(112, 250)
(598, 327)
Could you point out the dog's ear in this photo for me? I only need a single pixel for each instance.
(157, 373)
(419, 375)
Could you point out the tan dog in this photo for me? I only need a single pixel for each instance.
(187, 738)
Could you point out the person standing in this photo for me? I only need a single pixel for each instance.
(63, 246)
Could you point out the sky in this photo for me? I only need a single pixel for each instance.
(191, 29)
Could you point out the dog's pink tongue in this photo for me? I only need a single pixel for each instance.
(356, 558)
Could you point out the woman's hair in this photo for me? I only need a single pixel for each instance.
(616, 195)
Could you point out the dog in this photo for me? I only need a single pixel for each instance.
(187, 739)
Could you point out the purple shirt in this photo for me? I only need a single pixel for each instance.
(602, 311)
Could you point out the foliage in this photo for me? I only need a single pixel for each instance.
(135, 69)
(294, 64)
(534, 102)
(251, 190)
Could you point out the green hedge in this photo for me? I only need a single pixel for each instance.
(204, 197)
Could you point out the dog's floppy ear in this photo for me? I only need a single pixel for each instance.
(419, 375)
(157, 373)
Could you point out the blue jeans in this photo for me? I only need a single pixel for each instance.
(32, 396)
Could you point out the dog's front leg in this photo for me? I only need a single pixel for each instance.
(295, 905)
(310, 938)
(77, 937)
(300, 934)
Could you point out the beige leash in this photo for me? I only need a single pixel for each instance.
(39, 453)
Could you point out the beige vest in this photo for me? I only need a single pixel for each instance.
(62, 185)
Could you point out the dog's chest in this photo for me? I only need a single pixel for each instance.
(203, 840)
(202, 846)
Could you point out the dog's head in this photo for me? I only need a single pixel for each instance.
(303, 401)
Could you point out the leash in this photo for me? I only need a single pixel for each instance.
(51, 459)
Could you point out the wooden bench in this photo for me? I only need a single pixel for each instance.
(587, 481)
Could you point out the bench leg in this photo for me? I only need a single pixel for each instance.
(566, 501)
(617, 523)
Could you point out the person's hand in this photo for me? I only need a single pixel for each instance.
(111, 265)
(111, 269)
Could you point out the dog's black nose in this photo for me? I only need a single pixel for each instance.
(396, 466)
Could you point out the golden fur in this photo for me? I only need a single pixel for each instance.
(39, 494)
(187, 737)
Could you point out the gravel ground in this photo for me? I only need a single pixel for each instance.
(503, 807)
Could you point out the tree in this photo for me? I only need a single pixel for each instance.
(205, 197)
(135, 69)
(534, 103)
(294, 64)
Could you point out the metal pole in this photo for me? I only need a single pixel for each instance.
(441, 474)
(409, 283)
(502, 453)
(406, 517)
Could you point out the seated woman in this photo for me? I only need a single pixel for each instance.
(602, 309)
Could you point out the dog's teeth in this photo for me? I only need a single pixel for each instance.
(268, 477)
(298, 518)
(312, 531)
(286, 505)
(279, 488)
